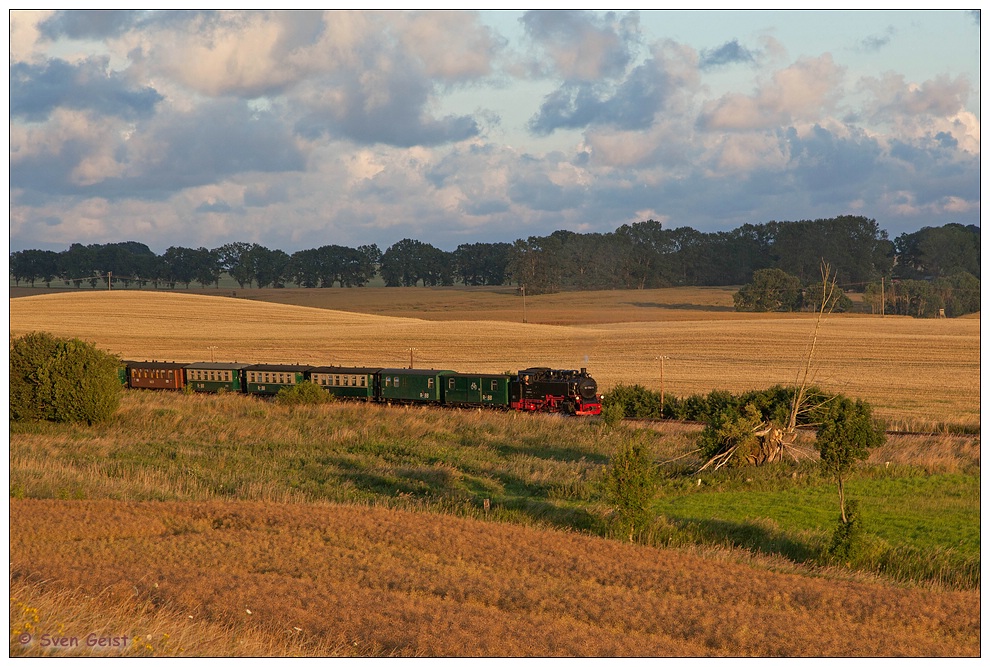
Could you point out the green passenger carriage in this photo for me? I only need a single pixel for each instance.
(268, 379)
(344, 382)
(215, 376)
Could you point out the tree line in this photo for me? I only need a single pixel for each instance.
(635, 256)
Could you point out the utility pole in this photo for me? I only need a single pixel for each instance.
(661, 358)
(411, 357)
(883, 306)
(109, 280)
(212, 349)
(523, 288)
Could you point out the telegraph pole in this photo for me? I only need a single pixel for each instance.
(411, 357)
(661, 358)
(883, 306)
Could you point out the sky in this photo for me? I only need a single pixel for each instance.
(296, 130)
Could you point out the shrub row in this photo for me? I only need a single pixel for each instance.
(773, 404)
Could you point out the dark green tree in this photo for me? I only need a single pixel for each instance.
(934, 252)
(847, 432)
(959, 293)
(407, 262)
(770, 290)
(207, 265)
(235, 260)
(270, 267)
(645, 248)
(61, 380)
(180, 265)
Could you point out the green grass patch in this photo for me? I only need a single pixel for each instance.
(924, 512)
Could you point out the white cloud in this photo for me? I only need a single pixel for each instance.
(25, 35)
(808, 90)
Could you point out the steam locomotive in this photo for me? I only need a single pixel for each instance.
(572, 392)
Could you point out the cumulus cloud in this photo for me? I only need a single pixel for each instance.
(170, 153)
(37, 89)
(582, 46)
(893, 95)
(633, 103)
(806, 91)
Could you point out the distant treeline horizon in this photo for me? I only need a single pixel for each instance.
(634, 256)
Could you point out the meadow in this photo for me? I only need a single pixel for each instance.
(224, 525)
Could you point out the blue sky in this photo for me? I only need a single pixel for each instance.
(302, 129)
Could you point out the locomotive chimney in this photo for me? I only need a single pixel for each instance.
(584, 371)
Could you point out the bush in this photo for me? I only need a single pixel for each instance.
(61, 380)
(847, 539)
(612, 413)
(304, 393)
(630, 484)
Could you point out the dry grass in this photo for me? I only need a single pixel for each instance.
(911, 370)
(243, 578)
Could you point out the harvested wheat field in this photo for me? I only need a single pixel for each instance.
(241, 578)
(913, 371)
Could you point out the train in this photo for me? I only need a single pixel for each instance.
(538, 389)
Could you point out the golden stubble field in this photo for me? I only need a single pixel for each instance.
(913, 371)
(245, 578)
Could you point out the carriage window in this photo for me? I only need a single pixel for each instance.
(450, 383)
(388, 381)
(494, 385)
(363, 380)
(396, 382)
(429, 383)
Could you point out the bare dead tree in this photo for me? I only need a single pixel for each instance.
(755, 441)
(806, 376)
